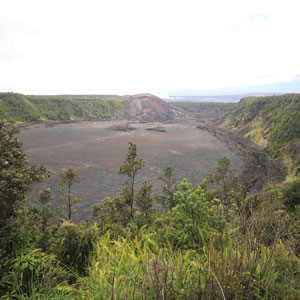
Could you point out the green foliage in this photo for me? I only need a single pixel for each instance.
(17, 107)
(111, 213)
(131, 209)
(68, 177)
(228, 192)
(267, 218)
(279, 120)
(144, 200)
(189, 218)
(142, 268)
(204, 108)
(72, 245)
(138, 268)
(166, 199)
(46, 196)
(20, 108)
(18, 233)
(32, 268)
(16, 174)
(190, 223)
(130, 167)
(292, 195)
(19, 225)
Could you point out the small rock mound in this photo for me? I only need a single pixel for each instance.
(122, 127)
(149, 108)
(157, 128)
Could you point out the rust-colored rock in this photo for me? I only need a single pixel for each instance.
(149, 108)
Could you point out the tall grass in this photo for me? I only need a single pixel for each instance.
(226, 267)
(141, 268)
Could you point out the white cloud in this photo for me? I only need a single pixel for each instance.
(153, 46)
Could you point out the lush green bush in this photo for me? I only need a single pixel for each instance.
(292, 195)
(30, 270)
(186, 224)
(73, 243)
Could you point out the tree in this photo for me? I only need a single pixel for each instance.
(166, 199)
(228, 189)
(186, 223)
(292, 195)
(119, 211)
(111, 211)
(16, 175)
(45, 211)
(18, 224)
(144, 200)
(130, 167)
(68, 177)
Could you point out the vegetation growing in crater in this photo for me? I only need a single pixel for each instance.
(68, 177)
(272, 122)
(203, 108)
(206, 243)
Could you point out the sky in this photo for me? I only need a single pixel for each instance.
(138, 46)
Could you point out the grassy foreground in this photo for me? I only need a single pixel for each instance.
(142, 268)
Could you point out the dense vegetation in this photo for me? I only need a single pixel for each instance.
(20, 108)
(202, 242)
(274, 123)
(204, 108)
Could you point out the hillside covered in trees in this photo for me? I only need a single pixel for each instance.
(187, 242)
(20, 108)
(204, 109)
(274, 124)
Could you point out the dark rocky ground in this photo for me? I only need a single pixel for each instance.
(190, 143)
(96, 152)
(259, 169)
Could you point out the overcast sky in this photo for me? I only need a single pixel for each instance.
(134, 46)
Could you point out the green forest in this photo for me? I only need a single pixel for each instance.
(273, 123)
(209, 241)
(20, 108)
(204, 107)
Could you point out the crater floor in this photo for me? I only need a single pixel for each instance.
(97, 152)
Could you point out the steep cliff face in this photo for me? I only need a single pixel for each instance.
(149, 108)
(274, 124)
